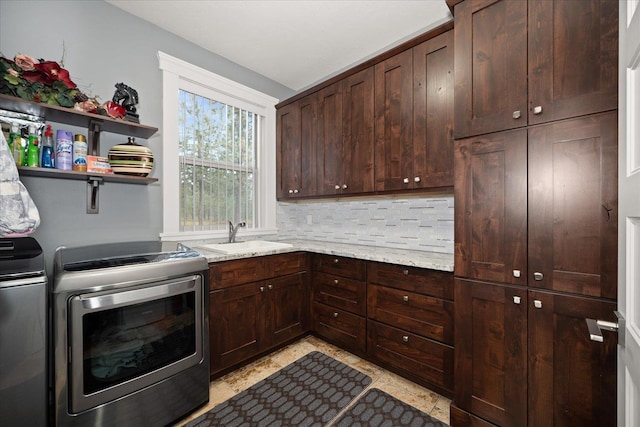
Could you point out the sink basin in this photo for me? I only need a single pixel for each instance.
(249, 246)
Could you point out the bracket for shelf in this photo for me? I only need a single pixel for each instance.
(94, 137)
(93, 185)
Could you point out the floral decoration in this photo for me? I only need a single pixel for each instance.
(47, 82)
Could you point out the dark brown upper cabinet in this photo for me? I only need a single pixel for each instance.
(414, 117)
(297, 142)
(539, 207)
(566, 51)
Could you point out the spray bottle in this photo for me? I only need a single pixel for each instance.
(48, 158)
(33, 153)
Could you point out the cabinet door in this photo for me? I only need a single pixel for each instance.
(491, 352)
(572, 380)
(573, 58)
(288, 152)
(490, 66)
(287, 308)
(237, 324)
(308, 107)
(330, 158)
(393, 104)
(573, 205)
(490, 196)
(433, 113)
(358, 133)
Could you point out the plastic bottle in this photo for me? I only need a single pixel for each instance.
(80, 153)
(64, 149)
(48, 157)
(33, 151)
(15, 143)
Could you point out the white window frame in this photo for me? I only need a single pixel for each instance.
(178, 74)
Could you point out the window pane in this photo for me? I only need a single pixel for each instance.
(217, 163)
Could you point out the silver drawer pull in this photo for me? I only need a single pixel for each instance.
(516, 273)
(516, 300)
(538, 276)
(295, 191)
(344, 186)
(335, 281)
(405, 272)
(537, 110)
(405, 338)
(290, 191)
(406, 180)
(261, 288)
(337, 187)
(335, 314)
(537, 303)
(405, 298)
(416, 179)
(270, 286)
(516, 114)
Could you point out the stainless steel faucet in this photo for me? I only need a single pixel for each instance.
(233, 230)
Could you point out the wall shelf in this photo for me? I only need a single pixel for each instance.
(95, 125)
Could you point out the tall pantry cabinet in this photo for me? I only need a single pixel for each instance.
(535, 212)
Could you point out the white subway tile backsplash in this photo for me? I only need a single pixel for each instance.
(415, 223)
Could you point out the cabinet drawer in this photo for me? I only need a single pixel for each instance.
(340, 327)
(340, 266)
(416, 313)
(417, 357)
(424, 281)
(336, 291)
(231, 273)
(284, 264)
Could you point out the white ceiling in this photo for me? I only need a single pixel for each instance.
(297, 42)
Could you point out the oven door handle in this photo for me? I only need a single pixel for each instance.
(138, 295)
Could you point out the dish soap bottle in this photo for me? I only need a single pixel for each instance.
(15, 144)
(33, 153)
(48, 157)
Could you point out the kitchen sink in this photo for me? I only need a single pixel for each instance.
(250, 246)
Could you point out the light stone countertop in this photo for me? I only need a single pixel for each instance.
(431, 260)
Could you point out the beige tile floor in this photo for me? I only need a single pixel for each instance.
(233, 383)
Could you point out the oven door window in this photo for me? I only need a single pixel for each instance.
(124, 340)
(130, 341)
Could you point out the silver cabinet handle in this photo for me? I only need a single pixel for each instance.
(537, 110)
(335, 281)
(405, 338)
(538, 276)
(344, 186)
(337, 187)
(516, 299)
(335, 314)
(516, 114)
(406, 180)
(270, 286)
(290, 191)
(405, 298)
(405, 272)
(516, 273)
(336, 260)
(416, 179)
(295, 191)
(261, 288)
(537, 303)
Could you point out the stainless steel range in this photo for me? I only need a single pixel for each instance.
(130, 334)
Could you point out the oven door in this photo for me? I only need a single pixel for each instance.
(122, 341)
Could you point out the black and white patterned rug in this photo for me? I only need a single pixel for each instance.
(378, 409)
(309, 392)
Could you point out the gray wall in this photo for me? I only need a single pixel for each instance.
(103, 45)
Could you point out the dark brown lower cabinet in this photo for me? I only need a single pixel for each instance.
(256, 304)
(525, 358)
(415, 357)
(341, 327)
